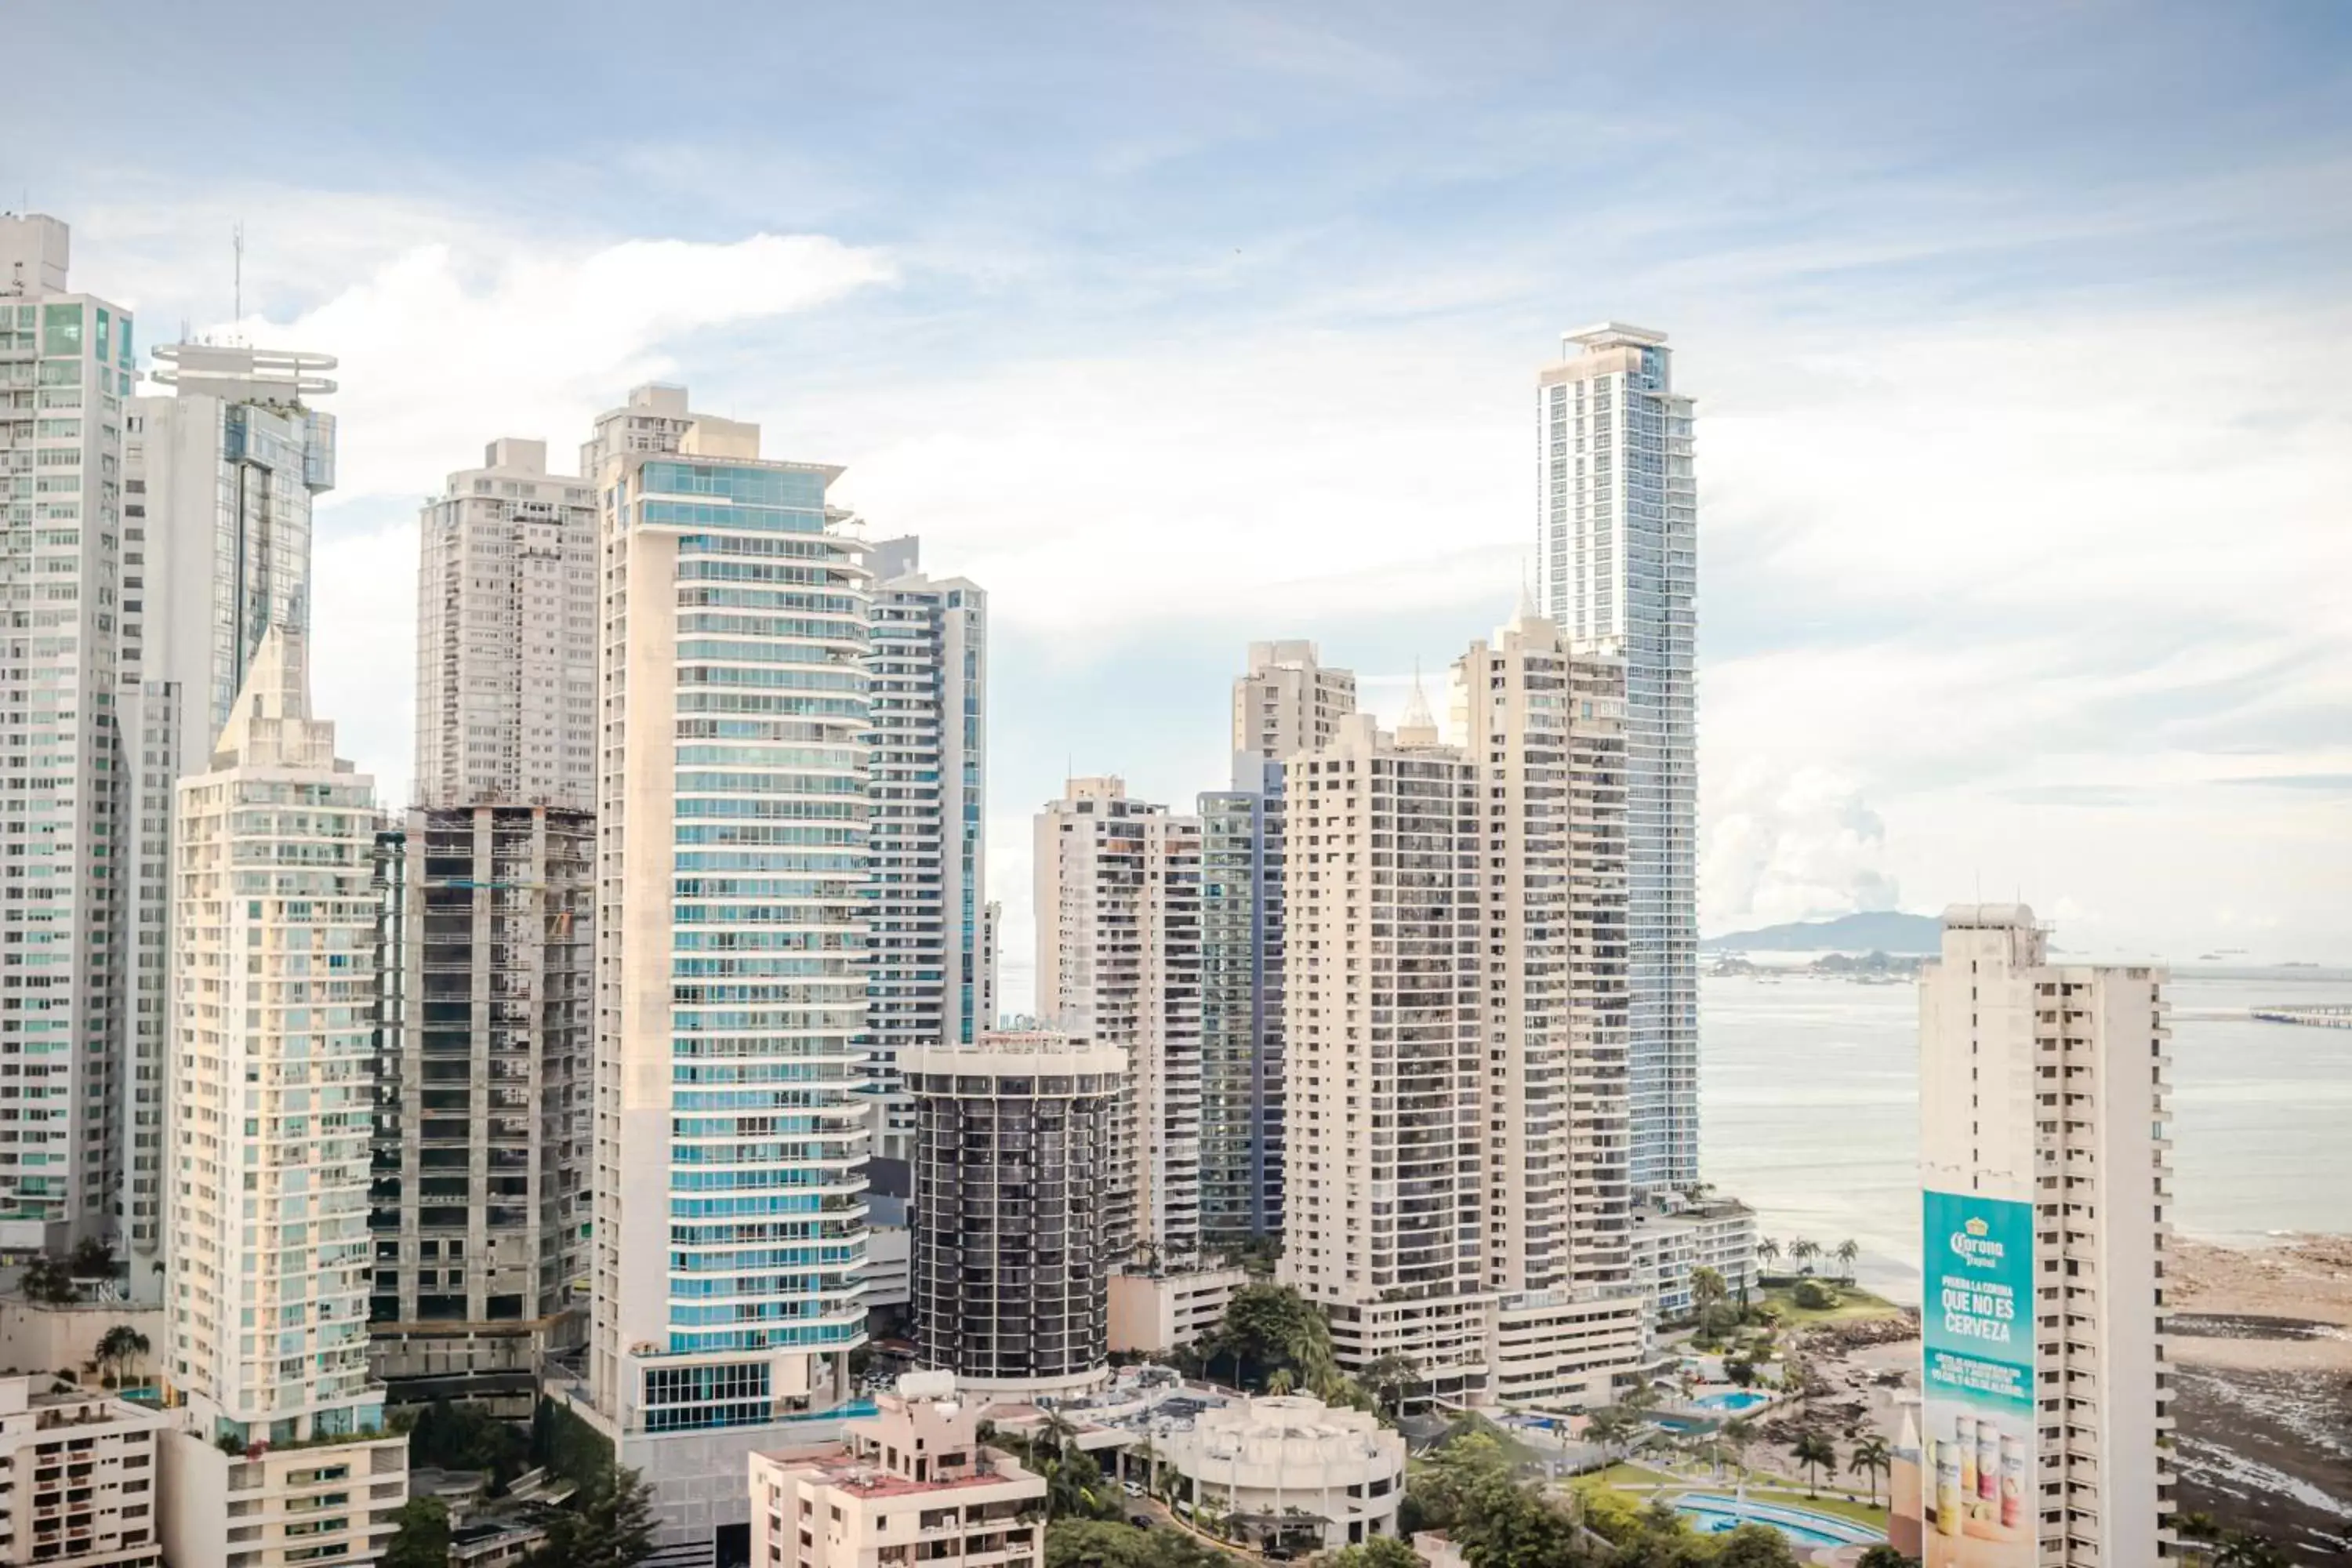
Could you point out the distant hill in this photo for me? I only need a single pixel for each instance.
(1879, 931)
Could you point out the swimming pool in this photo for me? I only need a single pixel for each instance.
(1732, 1401)
(1714, 1515)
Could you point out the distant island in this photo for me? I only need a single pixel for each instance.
(1876, 930)
(1871, 967)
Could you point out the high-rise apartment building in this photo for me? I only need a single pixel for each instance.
(220, 476)
(991, 928)
(479, 1211)
(1288, 703)
(1118, 964)
(730, 955)
(273, 990)
(1618, 514)
(506, 637)
(1456, 998)
(65, 365)
(926, 672)
(2045, 1182)
(1010, 1269)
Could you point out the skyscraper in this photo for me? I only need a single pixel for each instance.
(65, 373)
(1458, 1186)
(1119, 965)
(219, 480)
(2045, 1183)
(927, 671)
(1618, 518)
(272, 992)
(506, 637)
(1286, 702)
(730, 955)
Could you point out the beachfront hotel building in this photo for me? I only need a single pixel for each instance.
(219, 478)
(1618, 523)
(910, 1483)
(927, 671)
(66, 367)
(2044, 1094)
(1287, 701)
(1117, 887)
(273, 990)
(1010, 1264)
(730, 956)
(505, 636)
(1456, 997)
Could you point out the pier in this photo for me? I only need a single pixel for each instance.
(2338, 1017)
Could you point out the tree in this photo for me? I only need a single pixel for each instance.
(1754, 1546)
(466, 1437)
(2238, 1550)
(1707, 1289)
(1871, 1458)
(1380, 1552)
(1885, 1556)
(1389, 1378)
(1847, 1251)
(1740, 1370)
(122, 1346)
(1813, 1296)
(1281, 1380)
(1802, 1253)
(1270, 1326)
(91, 1259)
(1767, 1249)
(609, 1525)
(1739, 1435)
(1612, 1427)
(49, 1280)
(1814, 1452)
(423, 1540)
(1457, 1476)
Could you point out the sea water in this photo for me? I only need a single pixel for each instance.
(1810, 1112)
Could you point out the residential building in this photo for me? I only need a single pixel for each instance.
(991, 925)
(1288, 703)
(1118, 964)
(927, 678)
(1154, 1310)
(1618, 523)
(78, 1477)
(1456, 1005)
(730, 1136)
(1671, 1241)
(1289, 1473)
(220, 476)
(273, 989)
(480, 1209)
(1011, 1255)
(65, 365)
(911, 1483)
(2046, 1179)
(506, 637)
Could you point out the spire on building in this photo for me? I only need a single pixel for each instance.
(1417, 728)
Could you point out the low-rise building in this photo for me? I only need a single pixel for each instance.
(277, 1507)
(1290, 1472)
(909, 1484)
(78, 1477)
(1155, 1311)
(1672, 1240)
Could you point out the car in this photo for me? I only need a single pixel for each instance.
(1141, 1520)
(1135, 1488)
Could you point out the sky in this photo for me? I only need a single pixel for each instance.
(2018, 335)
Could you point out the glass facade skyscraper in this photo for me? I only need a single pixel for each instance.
(1618, 517)
(731, 957)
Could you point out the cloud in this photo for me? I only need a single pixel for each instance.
(1790, 846)
(442, 350)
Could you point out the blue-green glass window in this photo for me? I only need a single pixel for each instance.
(105, 334)
(122, 355)
(61, 329)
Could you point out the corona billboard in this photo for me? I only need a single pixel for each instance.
(1977, 1455)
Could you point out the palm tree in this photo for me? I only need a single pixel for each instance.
(1847, 1251)
(1870, 1459)
(1707, 1288)
(1281, 1380)
(1803, 1252)
(1613, 1426)
(1739, 1434)
(1814, 1451)
(122, 1346)
(1767, 1250)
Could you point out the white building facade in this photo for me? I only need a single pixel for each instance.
(1618, 520)
(65, 366)
(2044, 1094)
(506, 637)
(927, 670)
(220, 478)
(79, 1477)
(730, 955)
(272, 992)
(1289, 1471)
(1119, 965)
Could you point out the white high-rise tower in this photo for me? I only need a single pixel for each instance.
(1617, 514)
(272, 991)
(2045, 1183)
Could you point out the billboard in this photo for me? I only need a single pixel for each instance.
(1977, 1455)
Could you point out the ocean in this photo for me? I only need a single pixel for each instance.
(1809, 1111)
